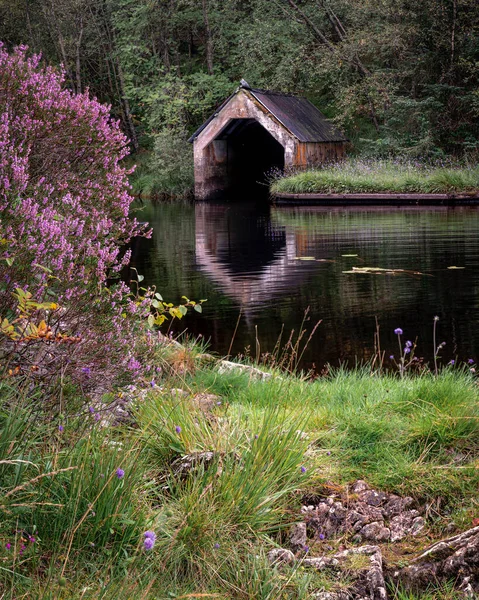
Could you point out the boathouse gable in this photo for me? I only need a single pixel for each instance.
(254, 132)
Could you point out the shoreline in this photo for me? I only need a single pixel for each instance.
(376, 198)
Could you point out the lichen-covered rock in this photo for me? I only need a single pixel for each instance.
(364, 513)
(406, 523)
(298, 537)
(280, 556)
(375, 532)
(366, 580)
(454, 558)
(226, 366)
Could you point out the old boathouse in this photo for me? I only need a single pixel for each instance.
(256, 131)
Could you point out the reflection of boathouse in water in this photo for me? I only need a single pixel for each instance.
(250, 266)
(256, 131)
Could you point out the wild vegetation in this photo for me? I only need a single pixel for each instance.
(98, 412)
(380, 176)
(399, 77)
(96, 509)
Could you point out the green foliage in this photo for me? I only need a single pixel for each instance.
(400, 80)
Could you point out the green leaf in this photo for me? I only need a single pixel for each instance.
(151, 320)
(140, 278)
(158, 296)
(183, 310)
(198, 308)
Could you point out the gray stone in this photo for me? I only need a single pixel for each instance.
(226, 366)
(375, 532)
(373, 498)
(407, 523)
(280, 556)
(396, 505)
(454, 558)
(359, 486)
(298, 537)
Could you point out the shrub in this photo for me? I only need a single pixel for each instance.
(64, 210)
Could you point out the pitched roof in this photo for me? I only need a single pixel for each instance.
(295, 113)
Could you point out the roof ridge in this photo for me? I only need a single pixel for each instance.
(274, 93)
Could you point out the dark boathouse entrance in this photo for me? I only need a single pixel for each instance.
(252, 154)
(255, 132)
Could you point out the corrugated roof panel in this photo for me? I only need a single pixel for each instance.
(297, 114)
(301, 117)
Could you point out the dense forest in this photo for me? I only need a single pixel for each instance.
(400, 77)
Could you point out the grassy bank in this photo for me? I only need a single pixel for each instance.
(76, 498)
(357, 176)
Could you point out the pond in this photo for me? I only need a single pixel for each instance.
(261, 268)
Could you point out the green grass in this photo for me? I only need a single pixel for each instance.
(358, 176)
(417, 436)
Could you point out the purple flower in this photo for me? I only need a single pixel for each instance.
(256, 436)
(150, 535)
(91, 409)
(452, 362)
(86, 371)
(407, 350)
(306, 548)
(398, 331)
(133, 364)
(408, 344)
(97, 417)
(321, 536)
(391, 357)
(31, 539)
(8, 545)
(328, 453)
(152, 383)
(120, 473)
(470, 361)
(148, 543)
(216, 546)
(60, 428)
(303, 469)
(178, 429)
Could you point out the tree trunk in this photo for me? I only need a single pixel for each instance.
(209, 39)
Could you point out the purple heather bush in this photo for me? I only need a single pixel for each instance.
(64, 224)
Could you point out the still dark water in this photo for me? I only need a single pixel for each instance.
(272, 263)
